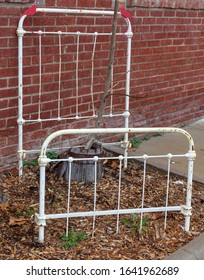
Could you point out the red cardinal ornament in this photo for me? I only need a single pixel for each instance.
(30, 11)
(125, 13)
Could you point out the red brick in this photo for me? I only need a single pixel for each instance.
(156, 13)
(86, 20)
(3, 103)
(6, 10)
(169, 13)
(142, 13)
(102, 4)
(4, 21)
(63, 3)
(52, 3)
(3, 82)
(8, 92)
(8, 151)
(89, 3)
(8, 52)
(181, 13)
(7, 31)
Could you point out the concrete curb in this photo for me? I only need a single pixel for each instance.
(194, 250)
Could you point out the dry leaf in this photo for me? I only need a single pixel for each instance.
(17, 221)
(157, 233)
(4, 206)
(18, 206)
(153, 216)
(4, 185)
(114, 164)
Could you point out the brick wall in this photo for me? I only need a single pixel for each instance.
(167, 68)
(167, 76)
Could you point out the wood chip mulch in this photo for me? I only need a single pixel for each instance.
(19, 201)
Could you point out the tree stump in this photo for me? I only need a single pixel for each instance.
(82, 170)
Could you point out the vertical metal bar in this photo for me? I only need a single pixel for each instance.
(20, 101)
(119, 188)
(77, 76)
(143, 191)
(111, 91)
(95, 184)
(127, 89)
(167, 188)
(60, 72)
(42, 202)
(92, 72)
(191, 158)
(40, 75)
(69, 191)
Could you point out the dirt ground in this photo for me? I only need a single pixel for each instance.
(20, 201)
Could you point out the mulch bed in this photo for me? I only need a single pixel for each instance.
(20, 200)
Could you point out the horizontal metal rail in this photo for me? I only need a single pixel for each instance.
(74, 12)
(115, 131)
(106, 212)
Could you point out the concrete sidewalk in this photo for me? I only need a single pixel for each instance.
(177, 144)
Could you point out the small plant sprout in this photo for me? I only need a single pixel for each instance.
(26, 213)
(135, 142)
(135, 224)
(50, 155)
(72, 239)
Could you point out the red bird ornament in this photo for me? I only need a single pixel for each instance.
(125, 13)
(30, 11)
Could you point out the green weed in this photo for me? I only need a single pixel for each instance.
(72, 239)
(135, 224)
(136, 141)
(25, 213)
(51, 155)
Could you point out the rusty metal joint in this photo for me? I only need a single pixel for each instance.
(186, 211)
(43, 160)
(22, 154)
(191, 155)
(40, 220)
(126, 144)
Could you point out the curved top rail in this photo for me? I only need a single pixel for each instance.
(75, 11)
(116, 130)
